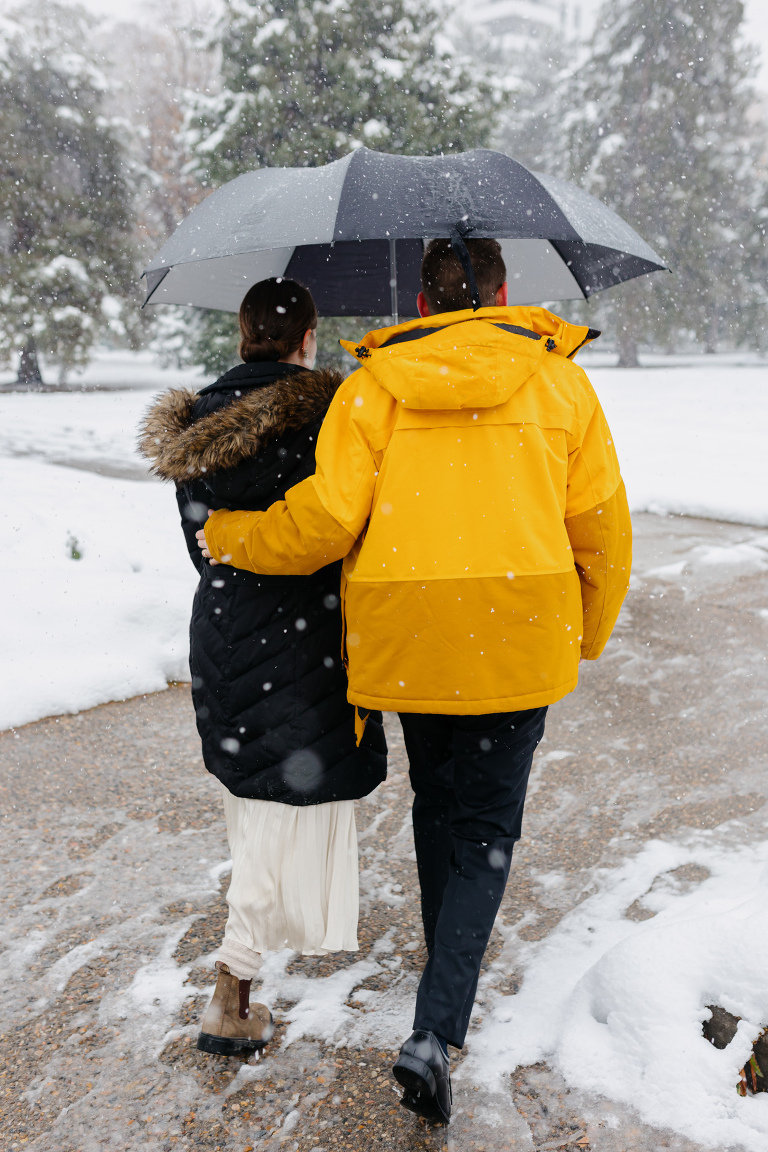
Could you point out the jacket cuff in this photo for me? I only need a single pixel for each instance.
(216, 533)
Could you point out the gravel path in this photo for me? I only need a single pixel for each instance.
(115, 863)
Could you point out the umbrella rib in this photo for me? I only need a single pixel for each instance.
(393, 281)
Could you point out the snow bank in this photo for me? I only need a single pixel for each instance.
(113, 624)
(618, 1006)
(691, 440)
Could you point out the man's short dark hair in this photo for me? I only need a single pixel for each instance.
(444, 281)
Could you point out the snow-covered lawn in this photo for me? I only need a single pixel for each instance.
(112, 368)
(691, 439)
(112, 624)
(91, 430)
(109, 625)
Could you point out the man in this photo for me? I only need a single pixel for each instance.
(468, 477)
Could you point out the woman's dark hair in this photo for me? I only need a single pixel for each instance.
(274, 316)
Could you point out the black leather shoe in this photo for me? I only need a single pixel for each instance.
(424, 1071)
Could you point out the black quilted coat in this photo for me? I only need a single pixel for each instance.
(268, 685)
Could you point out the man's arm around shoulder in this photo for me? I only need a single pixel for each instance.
(320, 518)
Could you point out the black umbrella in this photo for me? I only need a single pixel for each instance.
(353, 231)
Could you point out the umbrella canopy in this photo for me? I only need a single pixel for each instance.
(354, 231)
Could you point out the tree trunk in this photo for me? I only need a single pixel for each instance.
(713, 332)
(29, 368)
(628, 351)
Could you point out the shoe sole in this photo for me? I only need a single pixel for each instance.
(225, 1046)
(418, 1080)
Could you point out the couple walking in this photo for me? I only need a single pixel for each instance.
(443, 535)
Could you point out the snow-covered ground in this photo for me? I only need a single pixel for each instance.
(113, 623)
(691, 439)
(95, 431)
(613, 1004)
(598, 1013)
(617, 1006)
(112, 368)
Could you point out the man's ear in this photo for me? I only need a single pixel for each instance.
(502, 295)
(423, 307)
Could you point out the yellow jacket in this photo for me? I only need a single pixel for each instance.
(468, 477)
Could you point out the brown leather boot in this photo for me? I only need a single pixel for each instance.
(231, 1024)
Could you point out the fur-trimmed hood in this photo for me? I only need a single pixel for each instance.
(181, 448)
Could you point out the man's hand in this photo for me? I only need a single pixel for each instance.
(202, 544)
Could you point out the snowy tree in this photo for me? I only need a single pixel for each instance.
(157, 70)
(66, 253)
(528, 71)
(304, 82)
(529, 128)
(656, 123)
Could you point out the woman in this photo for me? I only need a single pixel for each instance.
(268, 685)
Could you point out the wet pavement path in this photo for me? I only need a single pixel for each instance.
(114, 859)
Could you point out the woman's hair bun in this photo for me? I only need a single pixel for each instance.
(274, 316)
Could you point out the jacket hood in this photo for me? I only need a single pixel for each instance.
(465, 359)
(181, 448)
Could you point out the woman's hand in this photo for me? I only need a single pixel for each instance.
(202, 544)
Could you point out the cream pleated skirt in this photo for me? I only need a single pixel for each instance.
(294, 880)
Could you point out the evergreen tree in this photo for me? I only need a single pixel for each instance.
(528, 71)
(66, 251)
(529, 129)
(656, 124)
(153, 69)
(306, 81)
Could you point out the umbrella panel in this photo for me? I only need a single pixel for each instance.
(353, 278)
(536, 272)
(220, 283)
(403, 196)
(596, 267)
(346, 279)
(277, 221)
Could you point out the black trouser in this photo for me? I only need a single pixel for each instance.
(469, 775)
